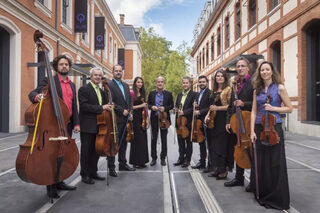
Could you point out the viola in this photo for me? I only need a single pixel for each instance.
(269, 136)
(130, 133)
(240, 124)
(196, 126)
(107, 138)
(49, 155)
(163, 119)
(182, 129)
(144, 117)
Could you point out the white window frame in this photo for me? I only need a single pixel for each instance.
(110, 49)
(67, 26)
(45, 8)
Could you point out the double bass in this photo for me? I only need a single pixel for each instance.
(240, 124)
(196, 127)
(49, 155)
(107, 138)
(269, 136)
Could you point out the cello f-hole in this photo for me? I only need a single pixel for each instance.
(43, 140)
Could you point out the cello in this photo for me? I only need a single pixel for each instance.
(196, 127)
(107, 138)
(49, 155)
(269, 136)
(240, 124)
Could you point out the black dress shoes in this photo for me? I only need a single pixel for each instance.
(153, 162)
(199, 166)
(98, 177)
(222, 176)
(113, 173)
(207, 170)
(126, 167)
(178, 163)
(234, 182)
(186, 164)
(213, 174)
(87, 180)
(163, 162)
(64, 186)
(248, 188)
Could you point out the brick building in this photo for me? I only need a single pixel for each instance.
(286, 32)
(55, 18)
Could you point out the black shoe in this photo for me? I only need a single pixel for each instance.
(186, 164)
(207, 170)
(64, 186)
(98, 177)
(87, 180)
(126, 167)
(234, 182)
(213, 174)
(113, 173)
(222, 176)
(153, 162)
(53, 194)
(199, 166)
(163, 162)
(178, 163)
(248, 188)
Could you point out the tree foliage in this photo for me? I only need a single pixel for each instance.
(158, 59)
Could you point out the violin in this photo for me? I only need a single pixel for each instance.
(130, 133)
(240, 124)
(144, 117)
(107, 138)
(196, 127)
(182, 129)
(163, 119)
(269, 136)
(49, 155)
(212, 115)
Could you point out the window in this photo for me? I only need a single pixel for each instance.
(274, 3)
(200, 62)
(212, 47)
(110, 50)
(218, 42)
(66, 14)
(276, 55)
(85, 36)
(44, 6)
(227, 33)
(238, 21)
(105, 52)
(198, 65)
(252, 13)
(207, 54)
(41, 2)
(115, 52)
(203, 59)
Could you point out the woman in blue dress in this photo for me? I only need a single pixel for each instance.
(272, 177)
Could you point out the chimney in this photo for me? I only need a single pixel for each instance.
(121, 18)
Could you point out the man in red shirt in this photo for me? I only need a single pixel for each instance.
(67, 92)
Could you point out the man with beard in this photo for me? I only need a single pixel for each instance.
(67, 92)
(204, 104)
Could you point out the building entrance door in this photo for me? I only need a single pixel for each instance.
(4, 79)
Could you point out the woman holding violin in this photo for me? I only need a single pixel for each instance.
(219, 140)
(139, 146)
(269, 100)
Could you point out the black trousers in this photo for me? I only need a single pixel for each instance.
(185, 149)
(154, 139)
(203, 152)
(88, 155)
(122, 132)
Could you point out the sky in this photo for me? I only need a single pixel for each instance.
(174, 20)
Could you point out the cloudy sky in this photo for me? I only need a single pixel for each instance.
(172, 19)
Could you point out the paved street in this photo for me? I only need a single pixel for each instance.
(160, 189)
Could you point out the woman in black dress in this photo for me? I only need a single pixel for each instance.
(139, 147)
(221, 153)
(271, 184)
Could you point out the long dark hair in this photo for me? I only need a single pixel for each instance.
(135, 88)
(215, 83)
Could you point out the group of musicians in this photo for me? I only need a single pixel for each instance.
(268, 168)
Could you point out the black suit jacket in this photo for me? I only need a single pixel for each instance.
(245, 95)
(188, 105)
(75, 117)
(167, 103)
(119, 101)
(204, 103)
(90, 108)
